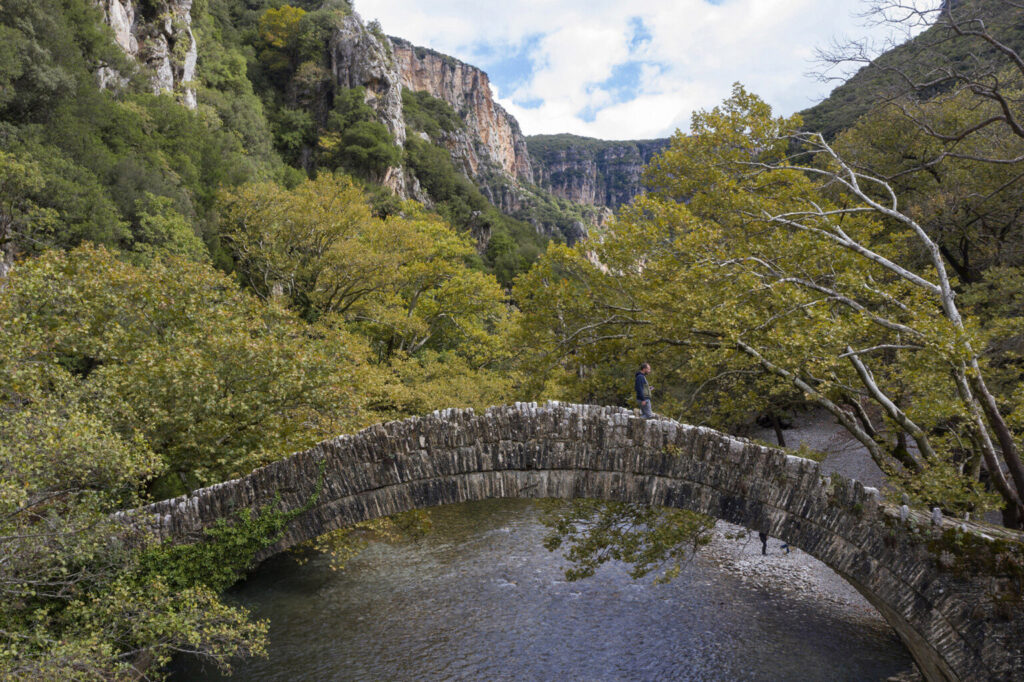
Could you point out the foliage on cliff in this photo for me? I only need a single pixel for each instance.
(132, 170)
(428, 114)
(961, 45)
(91, 161)
(511, 245)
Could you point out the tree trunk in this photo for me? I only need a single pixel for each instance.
(777, 426)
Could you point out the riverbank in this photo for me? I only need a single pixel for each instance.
(736, 552)
(791, 577)
(796, 571)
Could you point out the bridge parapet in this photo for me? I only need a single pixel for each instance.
(960, 617)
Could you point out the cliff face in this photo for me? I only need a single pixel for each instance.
(364, 58)
(359, 58)
(491, 149)
(160, 39)
(494, 137)
(589, 171)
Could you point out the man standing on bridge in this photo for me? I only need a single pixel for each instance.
(643, 390)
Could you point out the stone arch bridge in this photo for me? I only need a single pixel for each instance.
(951, 591)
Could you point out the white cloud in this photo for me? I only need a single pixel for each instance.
(695, 51)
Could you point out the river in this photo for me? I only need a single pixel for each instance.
(479, 598)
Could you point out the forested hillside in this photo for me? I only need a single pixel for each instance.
(969, 44)
(268, 107)
(187, 294)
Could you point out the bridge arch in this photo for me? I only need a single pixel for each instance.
(956, 626)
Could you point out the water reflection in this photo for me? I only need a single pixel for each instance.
(480, 598)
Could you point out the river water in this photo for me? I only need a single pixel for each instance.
(479, 598)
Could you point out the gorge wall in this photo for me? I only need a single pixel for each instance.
(515, 173)
(467, 89)
(491, 150)
(361, 57)
(590, 171)
(583, 170)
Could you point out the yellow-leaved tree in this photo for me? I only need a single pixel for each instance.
(753, 275)
(117, 381)
(436, 326)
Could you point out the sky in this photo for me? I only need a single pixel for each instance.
(629, 69)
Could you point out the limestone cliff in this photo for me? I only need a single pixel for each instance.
(589, 171)
(494, 153)
(157, 36)
(490, 148)
(362, 56)
(494, 135)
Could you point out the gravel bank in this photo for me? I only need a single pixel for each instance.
(796, 573)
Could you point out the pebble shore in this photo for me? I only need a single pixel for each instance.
(796, 573)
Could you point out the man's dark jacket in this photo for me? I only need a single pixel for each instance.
(643, 389)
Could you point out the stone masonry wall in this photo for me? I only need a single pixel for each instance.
(959, 625)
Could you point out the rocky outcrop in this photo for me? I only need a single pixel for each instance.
(589, 171)
(363, 57)
(121, 18)
(494, 137)
(490, 148)
(159, 39)
(359, 58)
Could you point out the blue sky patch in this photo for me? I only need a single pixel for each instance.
(588, 114)
(532, 103)
(624, 83)
(509, 67)
(640, 33)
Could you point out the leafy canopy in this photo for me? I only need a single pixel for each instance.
(747, 281)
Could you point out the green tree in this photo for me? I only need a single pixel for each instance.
(365, 148)
(51, 49)
(280, 30)
(85, 428)
(434, 301)
(162, 229)
(463, 205)
(70, 608)
(213, 380)
(648, 538)
(21, 220)
(313, 244)
(403, 282)
(958, 188)
(741, 262)
(355, 141)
